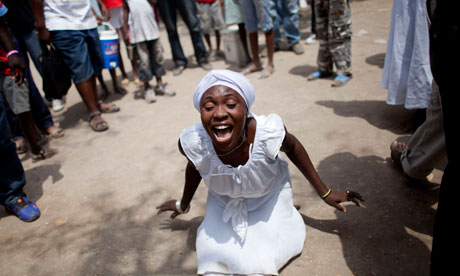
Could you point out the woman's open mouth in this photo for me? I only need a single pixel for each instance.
(222, 133)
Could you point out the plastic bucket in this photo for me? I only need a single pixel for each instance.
(110, 45)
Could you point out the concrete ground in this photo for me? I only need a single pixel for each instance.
(98, 194)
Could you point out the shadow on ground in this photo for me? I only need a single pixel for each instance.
(376, 113)
(389, 235)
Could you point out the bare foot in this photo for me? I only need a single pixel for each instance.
(55, 132)
(266, 72)
(252, 68)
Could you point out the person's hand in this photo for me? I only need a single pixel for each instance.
(335, 198)
(17, 68)
(169, 205)
(44, 35)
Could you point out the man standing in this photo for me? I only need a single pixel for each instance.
(72, 28)
(12, 178)
(187, 9)
(333, 30)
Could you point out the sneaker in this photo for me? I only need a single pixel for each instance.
(206, 66)
(310, 39)
(24, 209)
(150, 96)
(164, 92)
(178, 70)
(297, 48)
(58, 105)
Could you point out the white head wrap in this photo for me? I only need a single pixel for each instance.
(231, 79)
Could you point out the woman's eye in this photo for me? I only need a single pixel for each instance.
(207, 108)
(231, 105)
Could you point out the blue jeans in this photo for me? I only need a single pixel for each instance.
(187, 9)
(12, 177)
(286, 14)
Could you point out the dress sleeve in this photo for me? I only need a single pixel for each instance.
(273, 135)
(192, 141)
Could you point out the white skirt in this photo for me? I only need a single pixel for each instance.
(276, 234)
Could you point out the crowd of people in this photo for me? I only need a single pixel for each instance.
(72, 28)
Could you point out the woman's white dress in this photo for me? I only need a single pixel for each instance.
(250, 225)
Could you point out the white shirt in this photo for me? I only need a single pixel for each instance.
(142, 23)
(68, 15)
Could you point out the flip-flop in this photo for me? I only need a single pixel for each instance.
(112, 108)
(318, 75)
(340, 80)
(54, 131)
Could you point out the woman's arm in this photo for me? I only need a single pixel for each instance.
(192, 180)
(298, 155)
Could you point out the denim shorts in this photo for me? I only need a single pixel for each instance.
(81, 50)
(256, 14)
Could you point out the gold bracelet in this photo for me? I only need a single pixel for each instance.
(326, 194)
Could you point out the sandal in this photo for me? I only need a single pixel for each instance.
(54, 132)
(45, 151)
(95, 124)
(318, 75)
(340, 80)
(21, 145)
(112, 108)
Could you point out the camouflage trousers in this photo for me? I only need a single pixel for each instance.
(333, 31)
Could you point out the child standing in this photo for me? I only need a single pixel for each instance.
(251, 226)
(145, 35)
(209, 13)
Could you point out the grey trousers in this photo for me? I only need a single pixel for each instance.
(427, 147)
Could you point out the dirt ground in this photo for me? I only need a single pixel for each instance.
(98, 194)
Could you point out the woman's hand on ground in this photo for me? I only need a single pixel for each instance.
(169, 205)
(335, 198)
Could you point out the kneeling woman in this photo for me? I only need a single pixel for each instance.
(250, 226)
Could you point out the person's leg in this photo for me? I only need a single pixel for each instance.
(244, 40)
(12, 177)
(426, 147)
(444, 43)
(34, 48)
(105, 90)
(157, 67)
(116, 86)
(187, 10)
(145, 72)
(249, 13)
(341, 55)
(324, 58)
(79, 53)
(270, 67)
(290, 21)
(275, 13)
(167, 9)
(18, 100)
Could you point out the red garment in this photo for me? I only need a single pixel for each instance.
(206, 1)
(110, 4)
